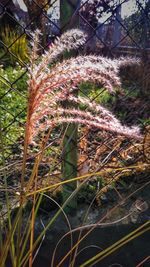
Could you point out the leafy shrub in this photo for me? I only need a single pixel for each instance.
(16, 45)
(13, 90)
(96, 93)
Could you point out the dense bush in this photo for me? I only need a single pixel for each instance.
(13, 91)
(15, 47)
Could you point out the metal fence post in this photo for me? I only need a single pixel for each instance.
(69, 162)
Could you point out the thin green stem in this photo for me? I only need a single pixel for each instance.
(25, 259)
(12, 247)
(140, 230)
(22, 195)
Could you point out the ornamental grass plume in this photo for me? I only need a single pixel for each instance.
(49, 86)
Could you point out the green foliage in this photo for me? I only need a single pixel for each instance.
(13, 92)
(98, 94)
(130, 22)
(145, 122)
(138, 24)
(16, 46)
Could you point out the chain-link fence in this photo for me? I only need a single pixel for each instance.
(114, 29)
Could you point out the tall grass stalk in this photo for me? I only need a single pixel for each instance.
(92, 227)
(106, 252)
(12, 246)
(37, 241)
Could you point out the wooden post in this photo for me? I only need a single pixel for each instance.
(68, 14)
(145, 59)
(69, 19)
(117, 27)
(37, 11)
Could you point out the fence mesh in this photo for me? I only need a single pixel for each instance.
(114, 29)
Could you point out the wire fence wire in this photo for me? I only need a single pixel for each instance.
(114, 28)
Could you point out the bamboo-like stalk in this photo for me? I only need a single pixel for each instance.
(69, 155)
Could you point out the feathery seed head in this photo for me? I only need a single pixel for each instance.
(123, 62)
(72, 39)
(48, 87)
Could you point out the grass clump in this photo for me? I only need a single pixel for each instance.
(15, 46)
(47, 89)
